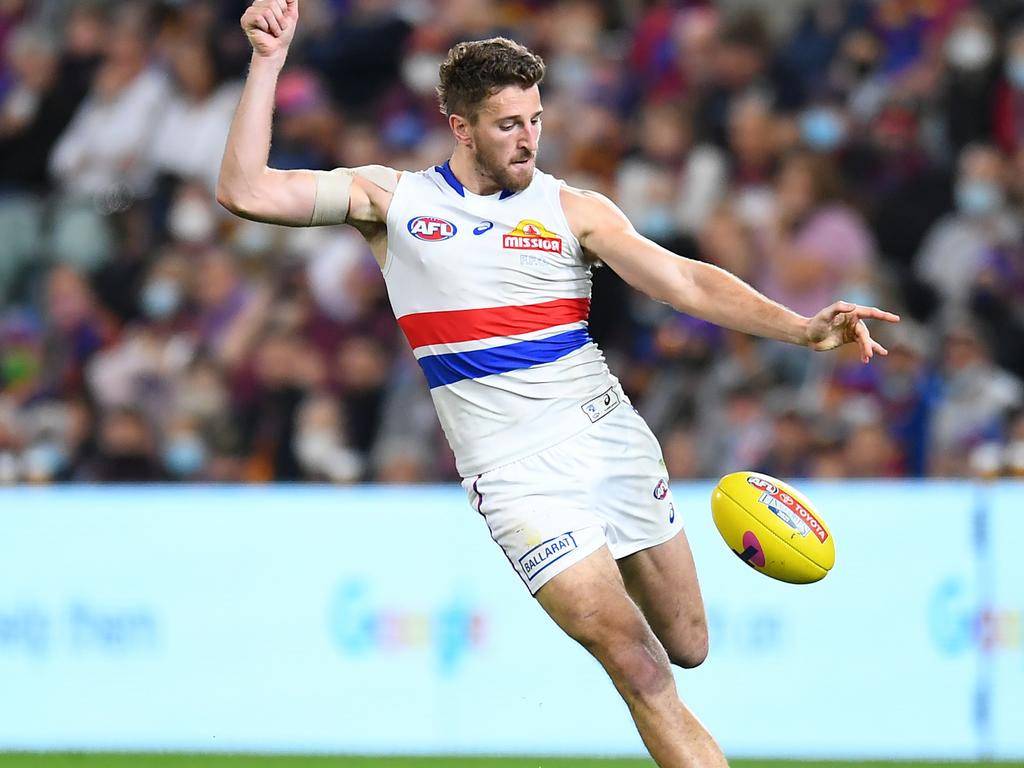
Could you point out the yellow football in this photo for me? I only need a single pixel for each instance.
(772, 527)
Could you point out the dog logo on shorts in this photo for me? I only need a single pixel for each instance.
(661, 490)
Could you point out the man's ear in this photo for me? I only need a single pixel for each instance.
(460, 129)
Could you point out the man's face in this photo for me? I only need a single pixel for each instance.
(506, 135)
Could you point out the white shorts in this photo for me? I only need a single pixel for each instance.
(605, 485)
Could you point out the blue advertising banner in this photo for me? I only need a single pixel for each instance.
(384, 620)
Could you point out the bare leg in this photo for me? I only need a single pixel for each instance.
(589, 601)
(663, 582)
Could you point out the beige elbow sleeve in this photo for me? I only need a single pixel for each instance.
(334, 190)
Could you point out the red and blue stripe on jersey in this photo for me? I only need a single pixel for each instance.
(494, 324)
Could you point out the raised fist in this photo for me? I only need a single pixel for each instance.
(270, 25)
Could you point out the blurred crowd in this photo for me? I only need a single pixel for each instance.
(865, 150)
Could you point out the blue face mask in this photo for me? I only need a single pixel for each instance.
(44, 460)
(656, 223)
(1015, 72)
(184, 456)
(978, 198)
(161, 298)
(821, 129)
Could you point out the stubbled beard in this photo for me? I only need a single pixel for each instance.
(498, 172)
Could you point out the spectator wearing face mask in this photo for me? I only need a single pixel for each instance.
(648, 180)
(959, 245)
(141, 370)
(183, 450)
(970, 76)
(823, 127)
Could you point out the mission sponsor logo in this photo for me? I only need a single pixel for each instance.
(789, 510)
(431, 229)
(530, 235)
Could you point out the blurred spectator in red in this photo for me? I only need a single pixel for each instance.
(1009, 112)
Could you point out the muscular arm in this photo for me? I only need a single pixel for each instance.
(246, 186)
(704, 290)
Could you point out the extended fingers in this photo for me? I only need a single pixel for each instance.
(875, 313)
(868, 346)
(860, 333)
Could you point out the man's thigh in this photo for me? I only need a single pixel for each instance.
(663, 581)
(590, 603)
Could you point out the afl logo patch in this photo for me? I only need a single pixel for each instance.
(431, 229)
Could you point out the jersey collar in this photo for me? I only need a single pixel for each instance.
(449, 176)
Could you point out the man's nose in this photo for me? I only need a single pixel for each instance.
(528, 138)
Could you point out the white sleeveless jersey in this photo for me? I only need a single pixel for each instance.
(493, 295)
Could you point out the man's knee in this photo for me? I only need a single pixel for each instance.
(637, 665)
(688, 646)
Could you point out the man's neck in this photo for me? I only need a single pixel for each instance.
(465, 171)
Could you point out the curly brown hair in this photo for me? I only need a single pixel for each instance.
(478, 69)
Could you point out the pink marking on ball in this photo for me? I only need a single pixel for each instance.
(750, 540)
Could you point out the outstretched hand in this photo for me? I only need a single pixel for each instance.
(843, 323)
(270, 25)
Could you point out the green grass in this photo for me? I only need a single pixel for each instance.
(247, 761)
